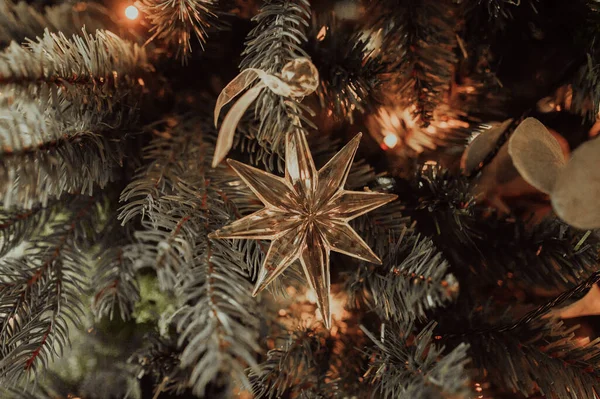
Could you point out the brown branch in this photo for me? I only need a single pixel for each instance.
(37, 351)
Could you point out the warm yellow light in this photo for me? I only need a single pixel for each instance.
(390, 140)
(322, 33)
(132, 12)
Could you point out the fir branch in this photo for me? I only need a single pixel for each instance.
(219, 330)
(289, 367)
(275, 40)
(351, 72)
(586, 87)
(19, 21)
(166, 243)
(417, 368)
(114, 280)
(551, 255)
(246, 143)
(543, 355)
(40, 293)
(413, 279)
(181, 200)
(42, 171)
(160, 359)
(87, 72)
(175, 22)
(169, 224)
(382, 226)
(421, 38)
(59, 95)
(19, 225)
(489, 248)
(165, 166)
(586, 82)
(441, 200)
(19, 393)
(499, 12)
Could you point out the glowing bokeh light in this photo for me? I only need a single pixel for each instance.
(132, 12)
(390, 140)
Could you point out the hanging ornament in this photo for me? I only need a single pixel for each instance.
(297, 79)
(306, 216)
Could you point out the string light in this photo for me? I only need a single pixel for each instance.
(132, 12)
(390, 140)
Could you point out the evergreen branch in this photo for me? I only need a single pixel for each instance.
(19, 393)
(551, 254)
(76, 83)
(166, 245)
(479, 244)
(246, 143)
(59, 94)
(40, 294)
(543, 355)
(19, 21)
(384, 225)
(275, 40)
(278, 35)
(289, 367)
(577, 291)
(586, 87)
(219, 329)
(413, 279)
(176, 21)
(84, 82)
(169, 223)
(218, 324)
(181, 200)
(441, 200)
(417, 368)
(114, 279)
(19, 225)
(499, 12)
(586, 82)
(351, 72)
(102, 61)
(160, 359)
(165, 166)
(44, 170)
(420, 37)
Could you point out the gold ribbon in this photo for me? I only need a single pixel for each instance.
(298, 78)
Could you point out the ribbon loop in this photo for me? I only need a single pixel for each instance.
(298, 78)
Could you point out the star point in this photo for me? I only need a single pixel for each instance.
(306, 216)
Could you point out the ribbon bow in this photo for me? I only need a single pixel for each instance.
(298, 78)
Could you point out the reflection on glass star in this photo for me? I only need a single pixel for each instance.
(306, 216)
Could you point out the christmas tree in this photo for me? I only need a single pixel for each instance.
(299, 199)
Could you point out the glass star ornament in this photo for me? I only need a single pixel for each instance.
(305, 216)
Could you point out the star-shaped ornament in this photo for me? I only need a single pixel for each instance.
(306, 216)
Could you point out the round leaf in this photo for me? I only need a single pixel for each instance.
(481, 146)
(576, 194)
(536, 154)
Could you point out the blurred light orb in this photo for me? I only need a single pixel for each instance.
(132, 12)
(390, 140)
